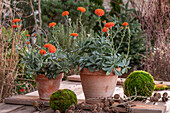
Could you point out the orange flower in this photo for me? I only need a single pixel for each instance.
(14, 26)
(81, 9)
(104, 29)
(42, 51)
(121, 27)
(47, 45)
(28, 35)
(28, 42)
(99, 12)
(74, 34)
(125, 24)
(16, 20)
(52, 49)
(52, 24)
(127, 27)
(110, 24)
(35, 34)
(65, 13)
(104, 21)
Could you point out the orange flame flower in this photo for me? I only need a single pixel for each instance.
(110, 24)
(104, 29)
(27, 35)
(104, 21)
(16, 20)
(99, 12)
(35, 34)
(81, 9)
(42, 51)
(52, 24)
(14, 26)
(74, 34)
(65, 13)
(125, 24)
(52, 49)
(47, 45)
(28, 42)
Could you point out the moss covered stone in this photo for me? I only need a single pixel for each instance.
(143, 81)
(62, 99)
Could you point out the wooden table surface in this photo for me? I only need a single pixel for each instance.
(77, 88)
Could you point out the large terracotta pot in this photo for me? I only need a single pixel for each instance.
(97, 84)
(46, 87)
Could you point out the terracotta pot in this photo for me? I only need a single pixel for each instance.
(97, 84)
(46, 87)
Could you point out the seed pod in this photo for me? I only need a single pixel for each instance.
(164, 99)
(101, 105)
(72, 107)
(151, 99)
(155, 94)
(155, 99)
(57, 111)
(94, 107)
(107, 103)
(99, 110)
(94, 111)
(159, 95)
(165, 94)
(116, 96)
(106, 109)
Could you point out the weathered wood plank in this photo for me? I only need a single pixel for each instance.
(5, 108)
(25, 100)
(24, 109)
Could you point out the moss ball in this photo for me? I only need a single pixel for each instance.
(143, 81)
(62, 99)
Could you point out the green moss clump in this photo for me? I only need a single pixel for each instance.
(62, 99)
(143, 81)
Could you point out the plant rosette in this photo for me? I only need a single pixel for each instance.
(47, 65)
(100, 55)
(46, 61)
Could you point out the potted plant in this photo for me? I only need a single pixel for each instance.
(46, 63)
(99, 62)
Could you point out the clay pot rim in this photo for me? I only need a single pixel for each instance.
(97, 73)
(45, 77)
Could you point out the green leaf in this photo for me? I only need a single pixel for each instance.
(117, 72)
(91, 69)
(110, 70)
(123, 70)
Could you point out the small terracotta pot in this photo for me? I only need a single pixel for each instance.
(97, 84)
(46, 87)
